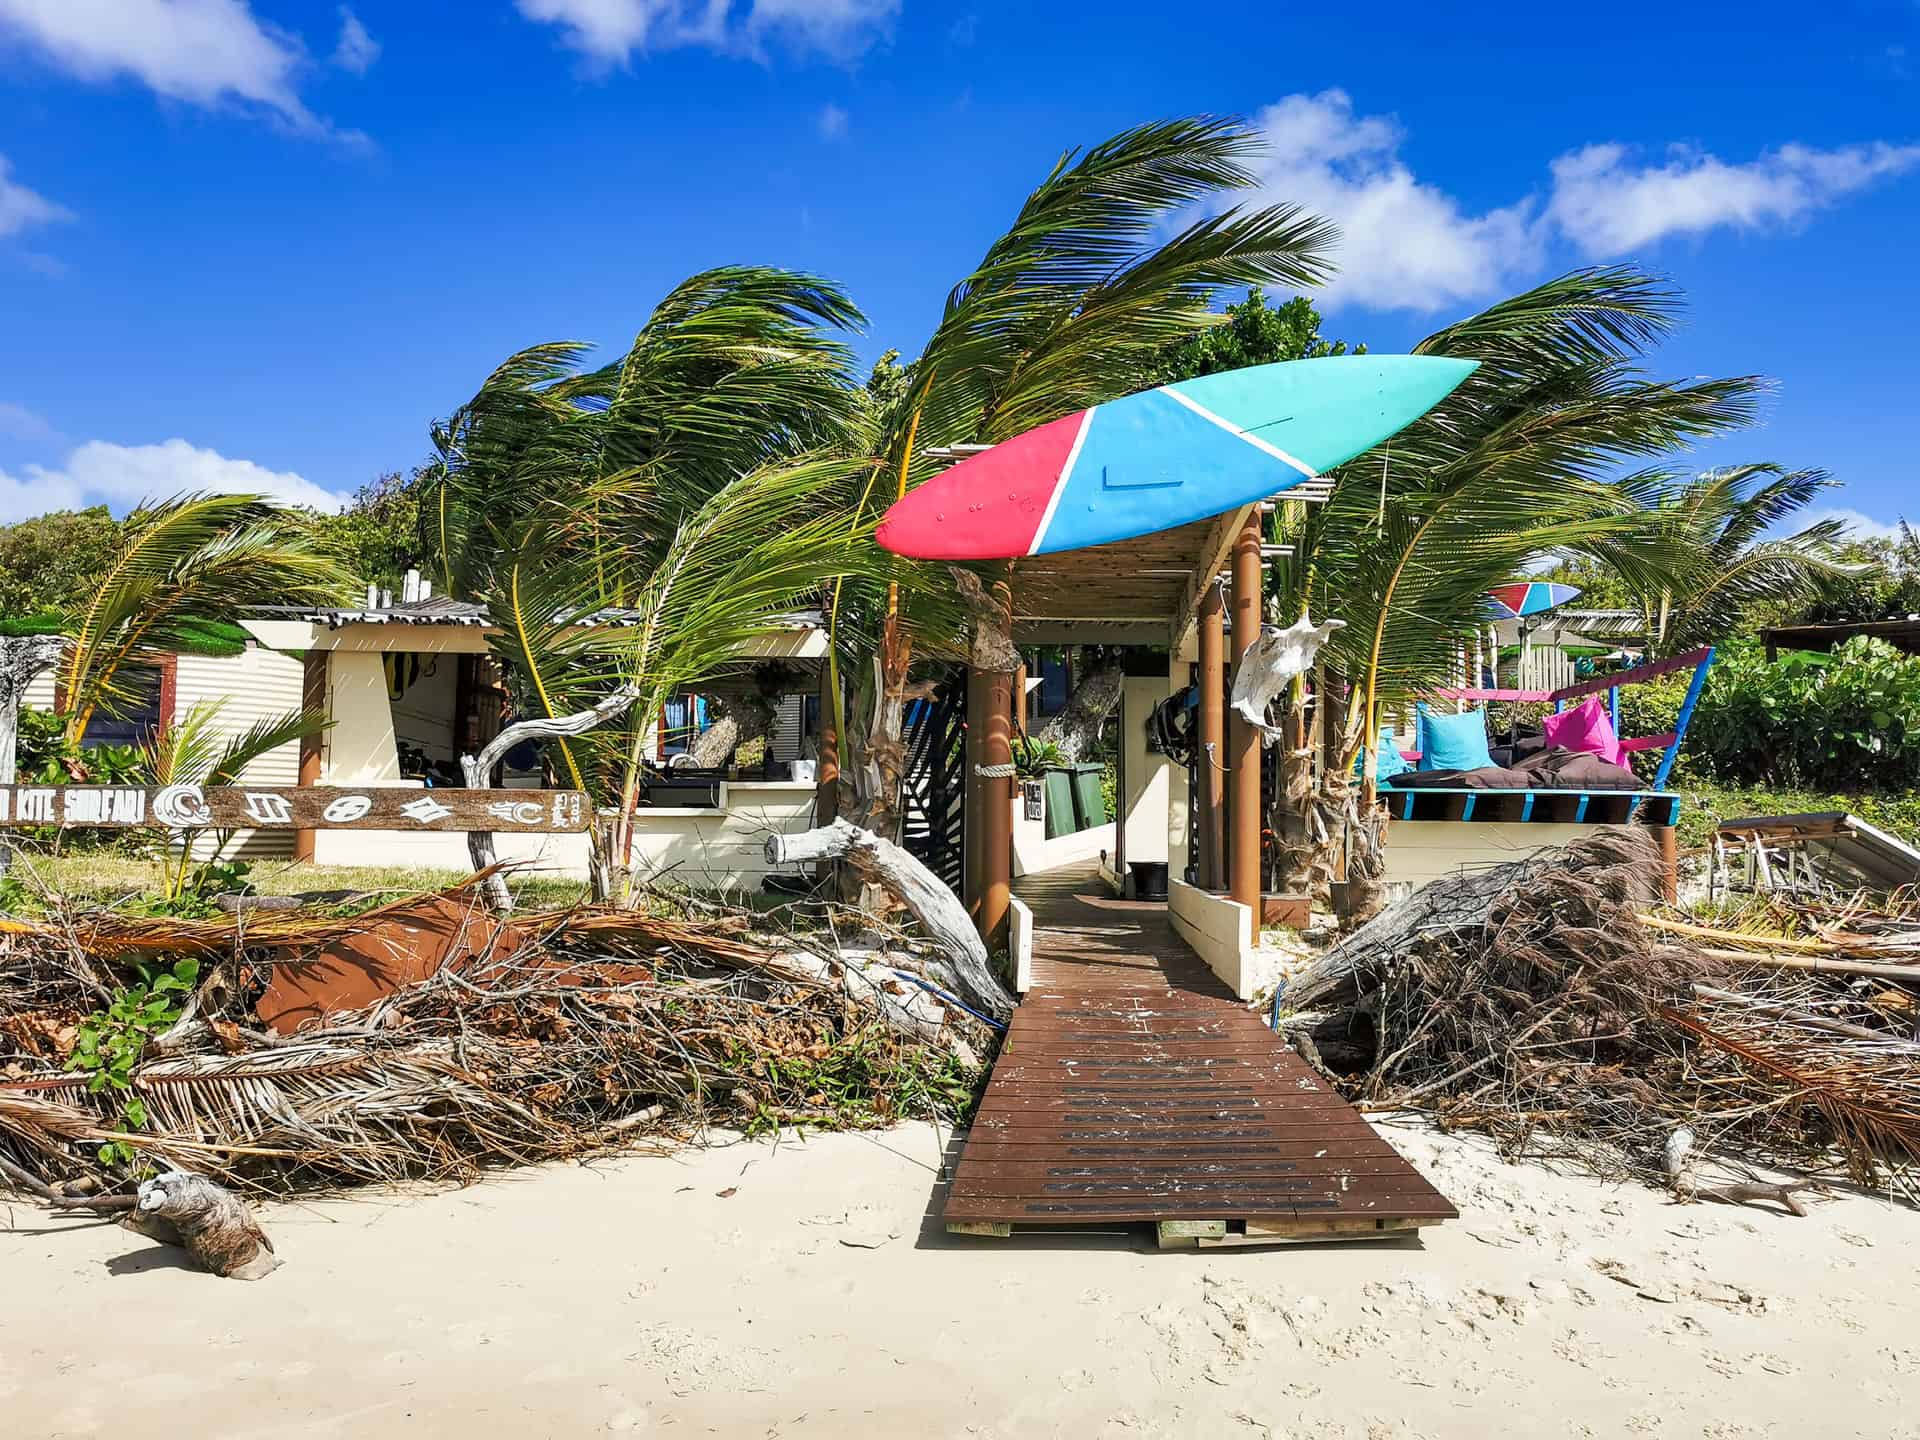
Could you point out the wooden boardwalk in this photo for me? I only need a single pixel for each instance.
(1134, 1088)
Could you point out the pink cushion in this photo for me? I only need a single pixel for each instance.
(1585, 727)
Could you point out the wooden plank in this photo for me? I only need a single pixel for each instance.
(1249, 1205)
(269, 807)
(1133, 1088)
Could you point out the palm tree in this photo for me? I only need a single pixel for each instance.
(733, 568)
(1514, 465)
(1711, 534)
(734, 369)
(191, 751)
(1073, 305)
(184, 572)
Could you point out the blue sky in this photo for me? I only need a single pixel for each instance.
(261, 244)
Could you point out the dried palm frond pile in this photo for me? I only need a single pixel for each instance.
(591, 1029)
(1553, 1004)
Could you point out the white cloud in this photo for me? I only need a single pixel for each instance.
(1407, 244)
(1859, 525)
(357, 49)
(1607, 205)
(611, 31)
(121, 476)
(1403, 244)
(21, 207)
(202, 52)
(17, 422)
(832, 122)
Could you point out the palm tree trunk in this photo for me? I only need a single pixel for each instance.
(1076, 729)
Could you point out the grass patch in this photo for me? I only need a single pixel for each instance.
(105, 878)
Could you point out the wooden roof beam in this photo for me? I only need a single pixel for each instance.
(1209, 562)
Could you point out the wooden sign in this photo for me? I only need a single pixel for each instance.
(320, 807)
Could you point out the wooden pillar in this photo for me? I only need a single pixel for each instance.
(313, 696)
(973, 792)
(1243, 741)
(996, 808)
(1668, 839)
(1211, 799)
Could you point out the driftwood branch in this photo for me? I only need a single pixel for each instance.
(22, 658)
(214, 1225)
(939, 912)
(478, 770)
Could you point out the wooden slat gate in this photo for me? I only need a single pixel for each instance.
(934, 812)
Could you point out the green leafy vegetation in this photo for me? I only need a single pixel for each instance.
(1844, 723)
(110, 1042)
(860, 1080)
(1707, 804)
(53, 561)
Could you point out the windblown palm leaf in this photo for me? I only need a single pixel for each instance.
(735, 368)
(185, 565)
(1709, 533)
(1517, 463)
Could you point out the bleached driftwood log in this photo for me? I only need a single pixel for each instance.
(1271, 662)
(939, 912)
(214, 1225)
(479, 768)
(1686, 1187)
(22, 658)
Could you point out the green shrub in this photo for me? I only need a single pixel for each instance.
(1849, 721)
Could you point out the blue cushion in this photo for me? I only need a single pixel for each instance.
(1387, 759)
(1454, 742)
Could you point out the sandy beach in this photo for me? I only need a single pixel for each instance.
(750, 1290)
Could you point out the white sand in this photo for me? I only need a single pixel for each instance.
(818, 1300)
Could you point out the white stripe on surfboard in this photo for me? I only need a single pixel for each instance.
(1060, 480)
(1306, 470)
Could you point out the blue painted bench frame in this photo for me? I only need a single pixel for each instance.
(1563, 807)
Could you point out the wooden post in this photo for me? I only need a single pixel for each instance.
(1668, 839)
(1211, 799)
(973, 791)
(1020, 700)
(996, 805)
(313, 696)
(826, 761)
(1243, 741)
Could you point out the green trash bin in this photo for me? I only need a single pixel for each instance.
(1060, 817)
(1089, 804)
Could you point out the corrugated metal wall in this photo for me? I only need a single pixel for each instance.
(250, 687)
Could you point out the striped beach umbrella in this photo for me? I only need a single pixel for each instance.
(1527, 597)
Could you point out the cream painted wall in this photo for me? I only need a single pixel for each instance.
(1423, 850)
(1150, 777)
(359, 749)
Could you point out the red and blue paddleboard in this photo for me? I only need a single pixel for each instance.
(1166, 456)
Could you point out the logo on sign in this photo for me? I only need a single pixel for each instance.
(183, 807)
(268, 809)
